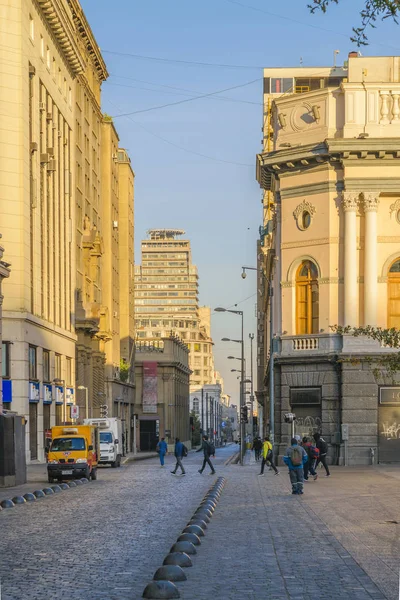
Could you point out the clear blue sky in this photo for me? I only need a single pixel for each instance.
(217, 203)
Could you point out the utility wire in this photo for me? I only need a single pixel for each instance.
(160, 137)
(171, 87)
(143, 110)
(184, 62)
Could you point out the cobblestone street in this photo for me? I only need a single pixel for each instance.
(104, 541)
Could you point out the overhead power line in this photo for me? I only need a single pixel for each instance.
(143, 110)
(166, 141)
(179, 61)
(180, 89)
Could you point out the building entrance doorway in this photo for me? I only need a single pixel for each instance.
(33, 437)
(306, 405)
(389, 425)
(149, 435)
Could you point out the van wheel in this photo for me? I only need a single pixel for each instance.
(114, 464)
(50, 479)
(118, 461)
(94, 474)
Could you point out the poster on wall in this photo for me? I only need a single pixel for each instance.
(150, 387)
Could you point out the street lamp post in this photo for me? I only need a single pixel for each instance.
(82, 387)
(251, 336)
(242, 429)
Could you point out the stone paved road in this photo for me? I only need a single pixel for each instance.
(101, 541)
(264, 543)
(105, 540)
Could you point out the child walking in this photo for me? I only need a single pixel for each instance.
(295, 459)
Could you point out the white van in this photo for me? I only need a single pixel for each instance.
(110, 429)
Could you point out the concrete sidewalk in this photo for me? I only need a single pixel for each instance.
(337, 541)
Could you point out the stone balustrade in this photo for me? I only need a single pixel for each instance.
(389, 106)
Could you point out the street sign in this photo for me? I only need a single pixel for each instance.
(223, 424)
(74, 411)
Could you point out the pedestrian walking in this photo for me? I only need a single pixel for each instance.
(162, 450)
(312, 454)
(267, 456)
(295, 458)
(180, 451)
(208, 450)
(257, 447)
(323, 450)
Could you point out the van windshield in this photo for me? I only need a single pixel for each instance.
(106, 437)
(67, 443)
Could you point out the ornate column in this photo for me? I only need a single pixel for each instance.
(350, 205)
(371, 202)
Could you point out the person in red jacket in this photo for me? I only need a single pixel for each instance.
(312, 452)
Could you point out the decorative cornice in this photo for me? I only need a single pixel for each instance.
(88, 39)
(330, 280)
(388, 239)
(287, 284)
(333, 187)
(63, 30)
(316, 242)
(304, 206)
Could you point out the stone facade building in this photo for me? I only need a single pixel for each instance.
(162, 393)
(52, 209)
(166, 300)
(330, 253)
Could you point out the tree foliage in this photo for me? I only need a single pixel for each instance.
(389, 338)
(373, 11)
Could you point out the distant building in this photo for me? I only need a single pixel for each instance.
(329, 251)
(162, 393)
(166, 300)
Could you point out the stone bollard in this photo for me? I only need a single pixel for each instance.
(7, 504)
(161, 589)
(190, 537)
(178, 558)
(186, 547)
(170, 573)
(30, 497)
(39, 494)
(19, 500)
(196, 529)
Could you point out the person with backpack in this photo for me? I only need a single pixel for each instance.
(208, 450)
(257, 447)
(295, 458)
(322, 446)
(180, 452)
(267, 456)
(162, 450)
(312, 454)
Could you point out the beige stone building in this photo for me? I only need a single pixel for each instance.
(59, 325)
(162, 393)
(39, 61)
(4, 354)
(330, 252)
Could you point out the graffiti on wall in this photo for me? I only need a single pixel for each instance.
(308, 425)
(390, 432)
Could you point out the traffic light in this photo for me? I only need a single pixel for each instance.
(244, 414)
(104, 411)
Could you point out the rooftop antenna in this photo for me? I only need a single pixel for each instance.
(335, 54)
(301, 61)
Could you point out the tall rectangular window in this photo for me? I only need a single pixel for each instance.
(48, 59)
(69, 371)
(5, 360)
(32, 363)
(41, 46)
(46, 365)
(57, 366)
(31, 28)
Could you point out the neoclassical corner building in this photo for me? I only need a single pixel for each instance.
(330, 252)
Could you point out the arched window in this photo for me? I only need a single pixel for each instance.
(394, 295)
(307, 299)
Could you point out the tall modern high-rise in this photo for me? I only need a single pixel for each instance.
(166, 287)
(166, 299)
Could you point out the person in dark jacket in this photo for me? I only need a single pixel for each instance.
(295, 458)
(323, 450)
(178, 455)
(205, 446)
(257, 447)
(309, 465)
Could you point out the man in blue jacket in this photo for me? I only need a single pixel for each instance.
(178, 455)
(162, 449)
(295, 459)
